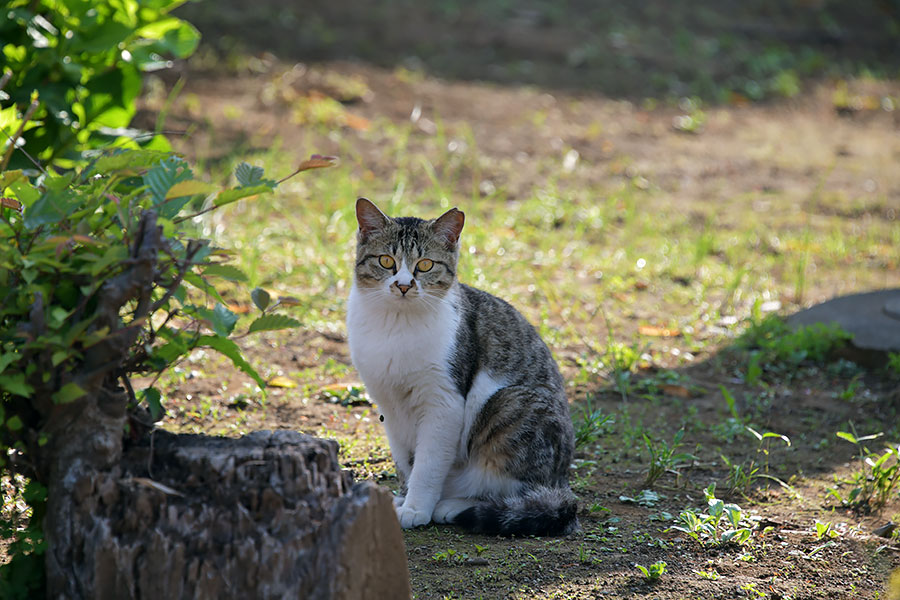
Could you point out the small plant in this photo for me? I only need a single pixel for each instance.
(711, 575)
(777, 348)
(721, 524)
(646, 498)
(741, 476)
(893, 364)
(653, 572)
(823, 530)
(878, 477)
(664, 458)
(590, 424)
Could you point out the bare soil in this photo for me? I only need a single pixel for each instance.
(766, 159)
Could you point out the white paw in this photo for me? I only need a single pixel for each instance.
(410, 517)
(446, 510)
(399, 500)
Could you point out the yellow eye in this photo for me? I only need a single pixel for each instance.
(424, 265)
(386, 261)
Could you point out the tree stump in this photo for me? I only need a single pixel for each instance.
(269, 515)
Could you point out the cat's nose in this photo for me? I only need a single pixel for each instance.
(403, 287)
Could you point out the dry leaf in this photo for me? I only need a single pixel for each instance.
(238, 309)
(288, 301)
(672, 389)
(655, 331)
(317, 161)
(281, 381)
(356, 122)
(10, 203)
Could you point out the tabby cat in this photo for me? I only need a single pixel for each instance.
(472, 401)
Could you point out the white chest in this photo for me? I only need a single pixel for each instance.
(393, 346)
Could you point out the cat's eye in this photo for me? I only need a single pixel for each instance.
(386, 261)
(424, 265)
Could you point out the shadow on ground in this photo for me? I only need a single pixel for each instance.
(719, 51)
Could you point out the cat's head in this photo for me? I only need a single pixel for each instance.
(406, 259)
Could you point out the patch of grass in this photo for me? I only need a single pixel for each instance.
(590, 423)
(664, 458)
(777, 348)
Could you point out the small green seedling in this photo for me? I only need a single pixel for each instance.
(590, 424)
(721, 524)
(664, 458)
(653, 572)
(825, 530)
(874, 484)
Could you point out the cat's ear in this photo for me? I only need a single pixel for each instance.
(369, 217)
(449, 225)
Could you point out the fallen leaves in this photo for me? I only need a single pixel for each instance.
(654, 331)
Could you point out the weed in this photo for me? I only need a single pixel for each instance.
(664, 458)
(825, 529)
(741, 476)
(590, 424)
(893, 364)
(779, 349)
(646, 498)
(721, 524)
(653, 572)
(874, 484)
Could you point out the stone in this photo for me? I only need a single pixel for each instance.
(872, 317)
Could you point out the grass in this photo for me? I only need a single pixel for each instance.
(652, 284)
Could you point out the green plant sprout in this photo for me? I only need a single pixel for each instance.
(653, 572)
(741, 476)
(721, 524)
(664, 458)
(874, 484)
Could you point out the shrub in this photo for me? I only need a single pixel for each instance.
(100, 279)
(74, 68)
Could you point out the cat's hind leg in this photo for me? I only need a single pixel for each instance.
(447, 509)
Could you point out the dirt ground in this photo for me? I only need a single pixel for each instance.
(765, 158)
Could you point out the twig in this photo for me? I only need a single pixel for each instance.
(13, 144)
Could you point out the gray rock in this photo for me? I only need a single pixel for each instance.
(873, 318)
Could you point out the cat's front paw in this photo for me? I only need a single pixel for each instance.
(410, 517)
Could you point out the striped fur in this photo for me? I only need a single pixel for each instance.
(474, 405)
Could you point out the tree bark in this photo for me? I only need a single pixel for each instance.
(270, 515)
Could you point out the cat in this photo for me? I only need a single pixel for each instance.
(472, 401)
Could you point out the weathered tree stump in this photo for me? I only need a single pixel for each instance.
(269, 515)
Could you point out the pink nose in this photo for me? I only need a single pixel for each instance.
(403, 288)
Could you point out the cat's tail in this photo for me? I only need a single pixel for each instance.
(541, 511)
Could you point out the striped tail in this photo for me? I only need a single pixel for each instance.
(541, 511)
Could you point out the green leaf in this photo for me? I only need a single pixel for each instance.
(847, 436)
(260, 298)
(228, 196)
(161, 178)
(15, 384)
(229, 272)
(223, 320)
(247, 174)
(7, 359)
(153, 397)
(190, 187)
(14, 423)
(51, 207)
(128, 159)
(273, 322)
(231, 350)
(68, 393)
(172, 36)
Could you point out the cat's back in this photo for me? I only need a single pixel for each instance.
(494, 336)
